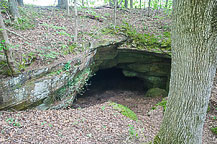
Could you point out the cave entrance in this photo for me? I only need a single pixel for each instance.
(108, 83)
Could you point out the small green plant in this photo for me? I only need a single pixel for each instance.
(214, 130)
(163, 104)
(103, 108)
(25, 60)
(4, 6)
(132, 132)
(44, 122)
(67, 66)
(208, 109)
(55, 27)
(24, 23)
(60, 135)
(214, 118)
(51, 55)
(13, 122)
(124, 110)
(71, 48)
(64, 33)
(89, 135)
(2, 44)
(68, 49)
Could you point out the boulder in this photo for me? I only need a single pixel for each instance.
(154, 92)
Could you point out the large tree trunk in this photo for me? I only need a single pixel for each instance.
(140, 4)
(144, 4)
(115, 12)
(126, 3)
(76, 21)
(82, 3)
(110, 3)
(131, 3)
(62, 4)
(14, 9)
(149, 7)
(194, 55)
(67, 7)
(166, 3)
(5, 42)
(20, 2)
(120, 5)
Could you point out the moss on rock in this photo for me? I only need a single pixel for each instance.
(124, 111)
(154, 92)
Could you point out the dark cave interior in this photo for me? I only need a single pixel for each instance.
(112, 79)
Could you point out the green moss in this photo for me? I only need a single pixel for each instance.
(154, 92)
(143, 40)
(124, 110)
(21, 106)
(214, 130)
(73, 85)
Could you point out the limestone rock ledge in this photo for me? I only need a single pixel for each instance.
(56, 87)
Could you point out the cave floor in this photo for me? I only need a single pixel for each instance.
(91, 120)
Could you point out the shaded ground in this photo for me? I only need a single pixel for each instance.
(93, 120)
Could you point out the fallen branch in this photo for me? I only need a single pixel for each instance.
(15, 33)
(103, 6)
(94, 17)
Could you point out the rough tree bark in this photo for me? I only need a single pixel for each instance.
(76, 21)
(115, 12)
(82, 3)
(140, 4)
(67, 7)
(14, 9)
(131, 3)
(144, 4)
(20, 3)
(194, 56)
(126, 3)
(62, 4)
(110, 3)
(5, 42)
(119, 6)
(149, 7)
(59, 3)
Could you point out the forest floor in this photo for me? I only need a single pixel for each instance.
(45, 35)
(93, 120)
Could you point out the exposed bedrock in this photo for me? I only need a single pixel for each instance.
(56, 86)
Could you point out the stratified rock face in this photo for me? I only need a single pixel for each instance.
(57, 83)
(152, 68)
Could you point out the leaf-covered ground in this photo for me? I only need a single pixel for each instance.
(45, 35)
(94, 120)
